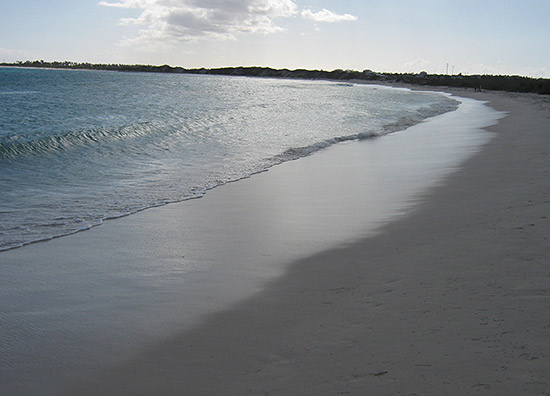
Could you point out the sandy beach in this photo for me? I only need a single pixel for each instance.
(451, 299)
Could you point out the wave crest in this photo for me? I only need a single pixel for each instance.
(15, 146)
(403, 123)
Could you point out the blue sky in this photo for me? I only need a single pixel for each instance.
(482, 36)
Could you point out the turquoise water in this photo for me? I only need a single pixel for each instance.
(79, 147)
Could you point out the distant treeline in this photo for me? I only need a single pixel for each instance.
(489, 82)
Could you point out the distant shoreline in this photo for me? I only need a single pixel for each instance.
(476, 82)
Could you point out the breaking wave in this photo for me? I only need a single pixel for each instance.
(67, 168)
(403, 123)
(13, 146)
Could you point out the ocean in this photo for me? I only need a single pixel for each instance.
(80, 147)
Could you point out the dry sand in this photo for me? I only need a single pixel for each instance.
(450, 300)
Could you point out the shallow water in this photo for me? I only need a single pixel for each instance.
(79, 147)
(75, 305)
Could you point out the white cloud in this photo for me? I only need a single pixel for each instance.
(327, 16)
(10, 55)
(417, 65)
(502, 69)
(170, 21)
(129, 3)
(541, 72)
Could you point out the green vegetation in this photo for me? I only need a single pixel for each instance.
(489, 82)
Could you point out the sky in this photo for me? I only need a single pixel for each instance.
(436, 36)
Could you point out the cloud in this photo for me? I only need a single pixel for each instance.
(541, 72)
(327, 16)
(13, 54)
(127, 4)
(503, 69)
(417, 65)
(172, 21)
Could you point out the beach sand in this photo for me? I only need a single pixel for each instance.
(448, 295)
(451, 299)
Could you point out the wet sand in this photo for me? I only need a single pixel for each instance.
(450, 299)
(333, 274)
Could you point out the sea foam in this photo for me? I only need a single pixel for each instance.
(89, 146)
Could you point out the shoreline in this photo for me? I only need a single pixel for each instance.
(288, 154)
(310, 330)
(449, 299)
(298, 152)
(507, 83)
